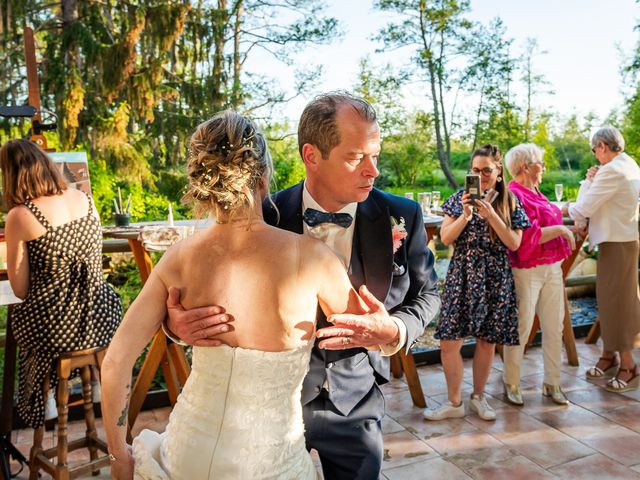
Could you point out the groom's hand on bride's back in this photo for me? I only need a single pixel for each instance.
(368, 329)
(197, 326)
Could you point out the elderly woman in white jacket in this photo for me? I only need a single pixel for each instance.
(608, 197)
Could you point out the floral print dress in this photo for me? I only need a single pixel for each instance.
(479, 296)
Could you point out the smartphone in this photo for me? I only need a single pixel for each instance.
(472, 186)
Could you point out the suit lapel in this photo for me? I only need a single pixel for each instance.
(373, 227)
(290, 207)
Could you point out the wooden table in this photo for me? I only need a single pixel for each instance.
(400, 361)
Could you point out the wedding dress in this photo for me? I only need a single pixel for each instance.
(238, 417)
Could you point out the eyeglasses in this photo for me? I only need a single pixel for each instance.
(540, 164)
(486, 171)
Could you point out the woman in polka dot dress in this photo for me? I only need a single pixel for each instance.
(54, 263)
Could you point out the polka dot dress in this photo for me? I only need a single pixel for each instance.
(69, 305)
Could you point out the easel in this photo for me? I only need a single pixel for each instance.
(7, 449)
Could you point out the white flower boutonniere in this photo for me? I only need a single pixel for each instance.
(398, 233)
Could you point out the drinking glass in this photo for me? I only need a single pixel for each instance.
(435, 197)
(424, 199)
(409, 195)
(559, 191)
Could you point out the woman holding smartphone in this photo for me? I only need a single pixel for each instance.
(479, 293)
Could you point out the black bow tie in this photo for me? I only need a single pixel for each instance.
(314, 217)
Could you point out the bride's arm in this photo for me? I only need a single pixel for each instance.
(142, 321)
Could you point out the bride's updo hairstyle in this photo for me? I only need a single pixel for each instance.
(228, 158)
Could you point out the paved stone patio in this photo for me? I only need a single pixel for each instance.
(596, 437)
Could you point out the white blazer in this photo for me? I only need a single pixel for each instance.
(610, 202)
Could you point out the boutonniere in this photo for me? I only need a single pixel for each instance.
(398, 233)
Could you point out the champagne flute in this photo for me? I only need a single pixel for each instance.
(409, 195)
(424, 199)
(559, 192)
(435, 197)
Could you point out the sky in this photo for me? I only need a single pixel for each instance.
(585, 42)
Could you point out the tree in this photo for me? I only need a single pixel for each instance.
(488, 74)
(435, 31)
(533, 82)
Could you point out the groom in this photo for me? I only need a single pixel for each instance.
(382, 242)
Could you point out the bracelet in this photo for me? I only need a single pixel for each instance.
(467, 218)
(112, 457)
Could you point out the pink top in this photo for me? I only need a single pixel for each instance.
(541, 213)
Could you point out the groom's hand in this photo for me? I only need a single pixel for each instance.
(368, 330)
(198, 326)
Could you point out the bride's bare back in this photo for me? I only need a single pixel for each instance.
(268, 279)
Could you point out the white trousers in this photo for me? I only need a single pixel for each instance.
(540, 290)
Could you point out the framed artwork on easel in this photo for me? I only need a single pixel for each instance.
(75, 168)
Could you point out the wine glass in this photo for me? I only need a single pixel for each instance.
(409, 195)
(424, 199)
(435, 197)
(559, 192)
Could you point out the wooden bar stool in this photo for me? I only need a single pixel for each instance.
(42, 459)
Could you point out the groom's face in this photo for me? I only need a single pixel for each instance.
(347, 175)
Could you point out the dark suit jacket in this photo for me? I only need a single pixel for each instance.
(405, 281)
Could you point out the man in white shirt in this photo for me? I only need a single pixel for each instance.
(381, 240)
(608, 198)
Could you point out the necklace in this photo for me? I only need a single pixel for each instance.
(235, 220)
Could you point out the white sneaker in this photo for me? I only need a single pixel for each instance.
(446, 410)
(479, 405)
(50, 407)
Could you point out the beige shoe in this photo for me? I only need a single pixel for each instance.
(513, 394)
(556, 394)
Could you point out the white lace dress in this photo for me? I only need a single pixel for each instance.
(238, 417)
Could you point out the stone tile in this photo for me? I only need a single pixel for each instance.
(399, 403)
(628, 416)
(394, 385)
(515, 467)
(568, 382)
(389, 425)
(434, 468)
(470, 449)
(402, 448)
(599, 400)
(435, 383)
(575, 421)
(595, 467)
(618, 443)
(425, 429)
(533, 439)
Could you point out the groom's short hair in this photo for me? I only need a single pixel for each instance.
(318, 120)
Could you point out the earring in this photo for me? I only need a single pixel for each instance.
(499, 179)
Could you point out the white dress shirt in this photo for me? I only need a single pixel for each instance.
(340, 241)
(610, 202)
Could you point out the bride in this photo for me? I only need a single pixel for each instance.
(239, 415)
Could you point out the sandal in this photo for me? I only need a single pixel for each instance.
(617, 385)
(607, 370)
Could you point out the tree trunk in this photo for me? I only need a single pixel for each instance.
(218, 72)
(236, 92)
(442, 156)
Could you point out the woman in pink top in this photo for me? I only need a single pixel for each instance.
(537, 273)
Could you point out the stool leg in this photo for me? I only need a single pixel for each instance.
(89, 417)
(38, 436)
(63, 412)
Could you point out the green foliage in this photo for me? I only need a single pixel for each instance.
(409, 154)
(287, 165)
